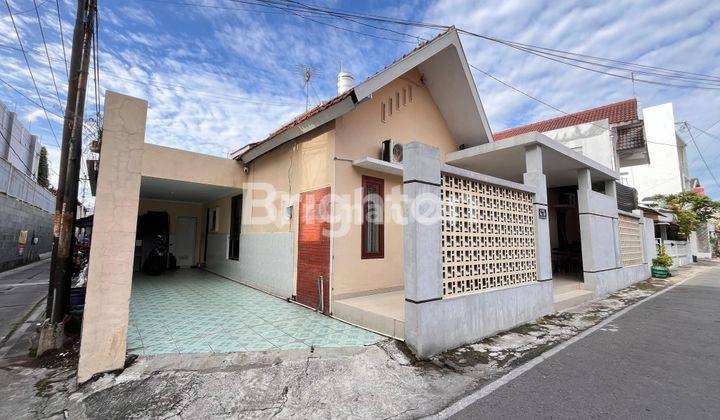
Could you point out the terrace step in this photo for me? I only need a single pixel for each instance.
(567, 300)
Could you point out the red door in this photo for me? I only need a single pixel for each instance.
(314, 249)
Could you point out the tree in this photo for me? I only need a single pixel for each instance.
(690, 209)
(42, 175)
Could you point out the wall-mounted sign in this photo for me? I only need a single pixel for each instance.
(542, 213)
(22, 240)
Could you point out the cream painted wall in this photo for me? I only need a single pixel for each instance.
(177, 209)
(168, 163)
(358, 135)
(295, 167)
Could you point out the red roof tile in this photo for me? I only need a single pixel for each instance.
(616, 113)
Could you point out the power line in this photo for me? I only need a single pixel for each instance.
(568, 58)
(62, 37)
(17, 33)
(47, 53)
(701, 155)
(32, 101)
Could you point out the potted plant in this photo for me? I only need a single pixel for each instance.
(661, 264)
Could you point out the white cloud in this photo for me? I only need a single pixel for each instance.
(679, 35)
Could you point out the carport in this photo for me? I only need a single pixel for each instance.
(194, 311)
(191, 310)
(187, 309)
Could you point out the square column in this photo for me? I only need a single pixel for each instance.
(105, 320)
(535, 177)
(422, 241)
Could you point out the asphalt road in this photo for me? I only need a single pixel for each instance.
(659, 360)
(20, 291)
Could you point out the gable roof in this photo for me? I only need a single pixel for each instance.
(615, 113)
(447, 76)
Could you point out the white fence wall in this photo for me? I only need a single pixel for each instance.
(16, 184)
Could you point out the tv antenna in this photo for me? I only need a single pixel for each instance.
(307, 72)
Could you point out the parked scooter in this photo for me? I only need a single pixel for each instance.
(156, 262)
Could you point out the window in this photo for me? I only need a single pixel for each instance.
(373, 226)
(404, 96)
(382, 112)
(410, 93)
(397, 100)
(390, 107)
(235, 222)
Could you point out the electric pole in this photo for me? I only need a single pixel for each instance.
(66, 198)
(68, 122)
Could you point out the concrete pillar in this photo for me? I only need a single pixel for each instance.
(105, 320)
(611, 188)
(422, 246)
(584, 179)
(535, 177)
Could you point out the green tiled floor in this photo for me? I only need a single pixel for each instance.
(193, 311)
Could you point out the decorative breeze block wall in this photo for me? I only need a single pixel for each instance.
(630, 241)
(488, 236)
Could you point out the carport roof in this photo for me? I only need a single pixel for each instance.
(506, 159)
(174, 190)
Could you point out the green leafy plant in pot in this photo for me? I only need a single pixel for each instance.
(661, 264)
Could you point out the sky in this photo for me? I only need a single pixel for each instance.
(220, 73)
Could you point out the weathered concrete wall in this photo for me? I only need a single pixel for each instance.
(105, 319)
(443, 324)
(265, 261)
(15, 216)
(606, 282)
(650, 251)
(434, 323)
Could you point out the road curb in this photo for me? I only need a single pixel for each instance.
(22, 267)
(9, 341)
(518, 371)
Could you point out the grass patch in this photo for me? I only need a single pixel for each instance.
(41, 386)
(646, 286)
(526, 329)
(591, 318)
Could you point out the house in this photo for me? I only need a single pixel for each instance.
(389, 206)
(644, 146)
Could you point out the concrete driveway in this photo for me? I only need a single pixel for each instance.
(194, 311)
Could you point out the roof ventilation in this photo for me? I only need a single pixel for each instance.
(345, 82)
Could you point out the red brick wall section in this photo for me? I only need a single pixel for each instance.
(313, 247)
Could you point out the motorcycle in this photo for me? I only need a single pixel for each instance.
(156, 262)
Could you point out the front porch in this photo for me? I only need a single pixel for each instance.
(575, 207)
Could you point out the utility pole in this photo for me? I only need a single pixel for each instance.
(52, 333)
(68, 122)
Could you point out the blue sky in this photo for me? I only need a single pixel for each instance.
(227, 73)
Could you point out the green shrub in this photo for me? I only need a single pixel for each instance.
(663, 259)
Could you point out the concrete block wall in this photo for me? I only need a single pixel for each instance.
(16, 215)
(434, 323)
